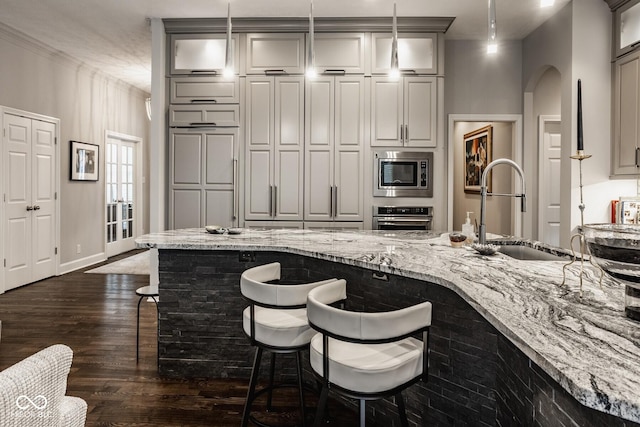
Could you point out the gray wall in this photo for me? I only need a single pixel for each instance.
(477, 83)
(36, 79)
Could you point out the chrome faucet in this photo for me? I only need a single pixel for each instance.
(482, 232)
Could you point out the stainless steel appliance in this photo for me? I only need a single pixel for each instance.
(402, 217)
(403, 174)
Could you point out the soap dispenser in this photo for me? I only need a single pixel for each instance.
(468, 229)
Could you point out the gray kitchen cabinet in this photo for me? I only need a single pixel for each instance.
(417, 53)
(403, 111)
(199, 54)
(207, 90)
(334, 178)
(203, 177)
(340, 53)
(204, 115)
(625, 157)
(275, 53)
(274, 141)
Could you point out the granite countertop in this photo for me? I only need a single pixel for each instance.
(585, 342)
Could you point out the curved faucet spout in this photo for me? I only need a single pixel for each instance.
(482, 232)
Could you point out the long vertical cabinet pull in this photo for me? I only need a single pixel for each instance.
(406, 133)
(331, 201)
(335, 201)
(402, 134)
(271, 200)
(637, 157)
(275, 200)
(235, 189)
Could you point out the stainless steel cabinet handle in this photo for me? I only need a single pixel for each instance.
(235, 189)
(206, 101)
(335, 201)
(331, 201)
(637, 156)
(271, 200)
(275, 200)
(402, 134)
(406, 133)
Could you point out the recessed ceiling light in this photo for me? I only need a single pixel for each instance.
(546, 3)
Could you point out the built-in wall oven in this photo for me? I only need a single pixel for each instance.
(402, 217)
(403, 174)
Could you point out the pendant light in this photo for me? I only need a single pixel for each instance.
(311, 58)
(394, 72)
(492, 43)
(228, 59)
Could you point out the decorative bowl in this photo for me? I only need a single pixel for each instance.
(487, 249)
(616, 249)
(215, 229)
(235, 230)
(457, 239)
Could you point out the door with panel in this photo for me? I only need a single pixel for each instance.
(122, 188)
(203, 179)
(30, 199)
(333, 152)
(404, 112)
(274, 148)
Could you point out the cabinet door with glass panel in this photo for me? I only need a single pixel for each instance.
(120, 195)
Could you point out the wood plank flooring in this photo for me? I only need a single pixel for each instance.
(95, 315)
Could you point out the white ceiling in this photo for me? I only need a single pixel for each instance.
(114, 36)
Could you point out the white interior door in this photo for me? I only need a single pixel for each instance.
(548, 188)
(122, 181)
(30, 200)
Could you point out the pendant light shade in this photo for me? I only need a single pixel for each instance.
(394, 72)
(311, 59)
(228, 59)
(492, 42)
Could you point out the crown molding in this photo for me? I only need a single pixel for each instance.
(615, 4)
(291, 25)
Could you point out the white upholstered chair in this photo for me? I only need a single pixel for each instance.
(32, 392)
(366, 356)
(276, 321)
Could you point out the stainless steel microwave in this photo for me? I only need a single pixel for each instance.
(403, 174)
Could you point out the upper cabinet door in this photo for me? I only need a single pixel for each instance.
(209, 90)
(417, 53)
(339, 53)
(626, 111)
(627, 28)
(420, 95)
(275, 53)
(202, 53)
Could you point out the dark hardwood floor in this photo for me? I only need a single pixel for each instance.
(95, 315)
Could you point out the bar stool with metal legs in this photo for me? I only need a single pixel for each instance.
(366, 356)
(143, 292)
(276, 321)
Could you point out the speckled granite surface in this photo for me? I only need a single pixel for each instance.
(584, 343)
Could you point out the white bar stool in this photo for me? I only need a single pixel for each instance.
(276, 321)
(366, 356)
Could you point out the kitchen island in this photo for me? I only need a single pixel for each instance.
(509, 344)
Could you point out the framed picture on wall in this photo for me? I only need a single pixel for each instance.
(477, 155)
(85, 161)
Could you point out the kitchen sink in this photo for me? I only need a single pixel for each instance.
(528, 254)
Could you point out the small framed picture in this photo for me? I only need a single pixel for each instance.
(85, 161)
(477, 155)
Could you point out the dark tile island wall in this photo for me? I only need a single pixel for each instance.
(477, 377)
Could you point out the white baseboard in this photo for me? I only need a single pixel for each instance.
(68, 267)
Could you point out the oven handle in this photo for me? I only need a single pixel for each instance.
(417, 220)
